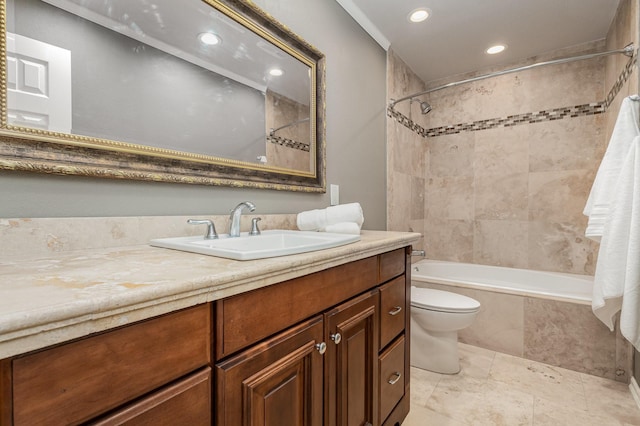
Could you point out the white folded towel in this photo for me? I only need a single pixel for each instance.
(617, 278)
(625, 130)
(319, 219)
(343, 228)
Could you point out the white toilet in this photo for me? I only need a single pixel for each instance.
(436, 317)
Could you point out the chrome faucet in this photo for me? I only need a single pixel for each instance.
(234, 224)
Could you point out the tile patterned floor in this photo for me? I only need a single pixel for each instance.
(497, 389)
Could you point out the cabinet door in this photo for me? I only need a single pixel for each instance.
(277, 382)
(351, 373)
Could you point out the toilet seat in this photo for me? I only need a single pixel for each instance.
(442, 301)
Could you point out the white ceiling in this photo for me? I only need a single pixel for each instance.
(453, 40)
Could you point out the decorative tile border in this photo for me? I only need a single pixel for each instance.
(526, 118)
(515, 120)
(406, 122)
(621, 80)
(289, 143)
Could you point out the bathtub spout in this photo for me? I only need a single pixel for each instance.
(420, 253)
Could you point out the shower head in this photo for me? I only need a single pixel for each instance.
(424, 105)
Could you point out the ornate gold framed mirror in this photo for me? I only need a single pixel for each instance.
(212, 92)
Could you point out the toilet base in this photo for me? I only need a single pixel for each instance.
(434, 351)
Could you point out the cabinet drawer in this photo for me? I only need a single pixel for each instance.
(392, 264)
(392, 310)
(392, 376)
(77, 381)
(186, 402)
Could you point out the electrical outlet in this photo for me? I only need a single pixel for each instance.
(335, 194)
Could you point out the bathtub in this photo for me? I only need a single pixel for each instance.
(549, 285)
(536, 315)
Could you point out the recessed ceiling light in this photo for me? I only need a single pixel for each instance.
(276, 72)
(419, 15)
(496, 49)
(210, 39)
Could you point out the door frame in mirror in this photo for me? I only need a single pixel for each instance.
(41, 151)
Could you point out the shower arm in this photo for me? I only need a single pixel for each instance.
(628, 50)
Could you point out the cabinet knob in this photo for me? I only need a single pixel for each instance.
(321, 347)
(336, 338)
(396, 310)
(394, 378)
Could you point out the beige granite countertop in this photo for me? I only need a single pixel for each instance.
(52, 299)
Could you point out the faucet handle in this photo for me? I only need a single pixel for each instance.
(211, 228)
(254, 226)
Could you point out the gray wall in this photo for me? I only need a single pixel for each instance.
(356, 157)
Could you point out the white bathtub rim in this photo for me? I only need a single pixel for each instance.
(506, 287)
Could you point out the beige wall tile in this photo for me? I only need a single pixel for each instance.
(501, 96)
(452, 155)
(559, 196)
(450, 198)
(501, 197)
(449, 240)
(451, 106)
(501, 243)
(502, 151)
(573, 83)
(406, 166)
(418, 191)
(576, 143)
(561, 247)
(568, 335)
(499, 324)
(398, 201)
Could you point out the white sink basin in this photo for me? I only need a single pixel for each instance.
(271, 243)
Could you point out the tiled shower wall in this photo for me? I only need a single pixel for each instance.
(406, 155)
(511, 194)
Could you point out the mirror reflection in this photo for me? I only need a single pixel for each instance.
(174, 78)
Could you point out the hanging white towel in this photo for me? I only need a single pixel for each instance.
(598, 203)
(320, 219)
(617, 278)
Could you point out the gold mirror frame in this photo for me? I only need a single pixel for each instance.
(40, 151)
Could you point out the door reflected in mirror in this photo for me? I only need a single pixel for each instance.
(186, 80)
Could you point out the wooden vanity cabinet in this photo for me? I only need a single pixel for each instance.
(268, 358)
(328, 348)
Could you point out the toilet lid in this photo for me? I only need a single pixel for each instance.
(443, 301)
